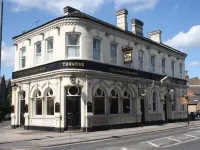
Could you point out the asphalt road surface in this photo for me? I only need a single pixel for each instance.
(186, 138)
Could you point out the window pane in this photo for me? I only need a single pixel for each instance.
(50, 106)
(50, 44)
(113, 105)
(99, 105)
(23, 62)
(172, 65)
(97, 44)
(73, 39)
(126, 105)
(38, 48)
(49, 55)
(37, 59)
(72, 51)
(38, 106)
(113, 48)
(96, 55)
(163, 66)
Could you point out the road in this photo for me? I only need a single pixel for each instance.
(187, 138)
(178, 139)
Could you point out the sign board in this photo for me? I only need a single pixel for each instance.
(185, 101)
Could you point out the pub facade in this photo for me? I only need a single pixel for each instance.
(78, 72)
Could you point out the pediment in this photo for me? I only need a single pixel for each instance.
(167, 79)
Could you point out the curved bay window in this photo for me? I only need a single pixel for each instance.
(99, 102)
(174, 103)
(38, 103)
(154, 99)
(126, 102)
(50, 102)
(114, 101)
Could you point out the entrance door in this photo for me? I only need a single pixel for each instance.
(22, 118)
(142, 111)
(73, 112)
(165, 110)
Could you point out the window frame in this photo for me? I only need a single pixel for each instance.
(154, 101)
(127, 98)
(66, 45)
(153, 68)
(36, 98)
(163, 68)
(181, 70)
(22, 57)
(49, 50)
(141, 61)
(173, 67)
(51, 96)
(37, 54)
(100, 57)
(114, 98)
(103, 98)
(113, 57)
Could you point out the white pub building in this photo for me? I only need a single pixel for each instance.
(79, 72)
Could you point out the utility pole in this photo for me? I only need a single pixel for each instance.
(1, 27)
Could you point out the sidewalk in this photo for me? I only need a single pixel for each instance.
(44, 139)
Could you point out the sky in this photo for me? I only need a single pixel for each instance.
(178, 20)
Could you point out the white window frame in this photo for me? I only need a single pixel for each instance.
(49, 50)
(173, 67)
(66, 44)
(37, 54)
(141, 60)
(163, 68)
(113, 58)
(153, 69)
(93, 49)
(22, 57)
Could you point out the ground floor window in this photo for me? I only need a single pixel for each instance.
(38, 106)
(113, 105)
(126, 105)
(50, 106)
(99, 105)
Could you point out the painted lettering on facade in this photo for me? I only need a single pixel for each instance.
(73, 64)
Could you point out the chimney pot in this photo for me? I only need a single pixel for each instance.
(137, 27)
(155, 35)
(122, 19)
(68, 10)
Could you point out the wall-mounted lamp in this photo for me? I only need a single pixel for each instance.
(141, 91)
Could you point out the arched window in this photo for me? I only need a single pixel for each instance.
(126, 102)
(50, 102)
(99, 101)
(141, 59)
(154, 99)
(38, 103)
(174, 103)
(114, 101)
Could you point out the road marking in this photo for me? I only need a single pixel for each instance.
(190, 135)
(174, 139)
(123, 148)
(181, 143)
(153, 144)
(154, 140)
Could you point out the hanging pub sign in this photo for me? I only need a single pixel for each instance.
(127, 53)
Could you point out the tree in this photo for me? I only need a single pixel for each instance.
(6, 105)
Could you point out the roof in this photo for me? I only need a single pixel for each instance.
(78, 14)
(194, 81)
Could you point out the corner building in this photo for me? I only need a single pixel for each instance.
(78, 72)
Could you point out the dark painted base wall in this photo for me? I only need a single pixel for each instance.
(103, 127)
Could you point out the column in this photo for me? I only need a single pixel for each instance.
(13, 109)
(27, 103)
(57, 105)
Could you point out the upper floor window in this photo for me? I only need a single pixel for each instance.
(72, 45)
(113, 49)
(163, 65)
(96, 49)
(172, 66)
(49, 50)
(181, 69)
(141, 59)
(153, 59)
(38, 50)
(23, 57)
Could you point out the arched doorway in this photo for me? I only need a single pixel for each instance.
(73, 107)
(22, 107)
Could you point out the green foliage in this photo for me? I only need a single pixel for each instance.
(6, 105)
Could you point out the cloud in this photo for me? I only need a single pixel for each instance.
(186, 40)
(194, 64)
(7, 55)
(89, 6)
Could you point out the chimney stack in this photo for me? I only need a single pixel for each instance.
(68, 10)
(137, 27)
(155, 36)
(122, 19)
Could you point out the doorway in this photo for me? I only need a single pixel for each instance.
(73, 112)
(142, 107)
(22, 118)
(165, 110)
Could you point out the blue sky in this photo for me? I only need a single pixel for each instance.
(178, 20)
